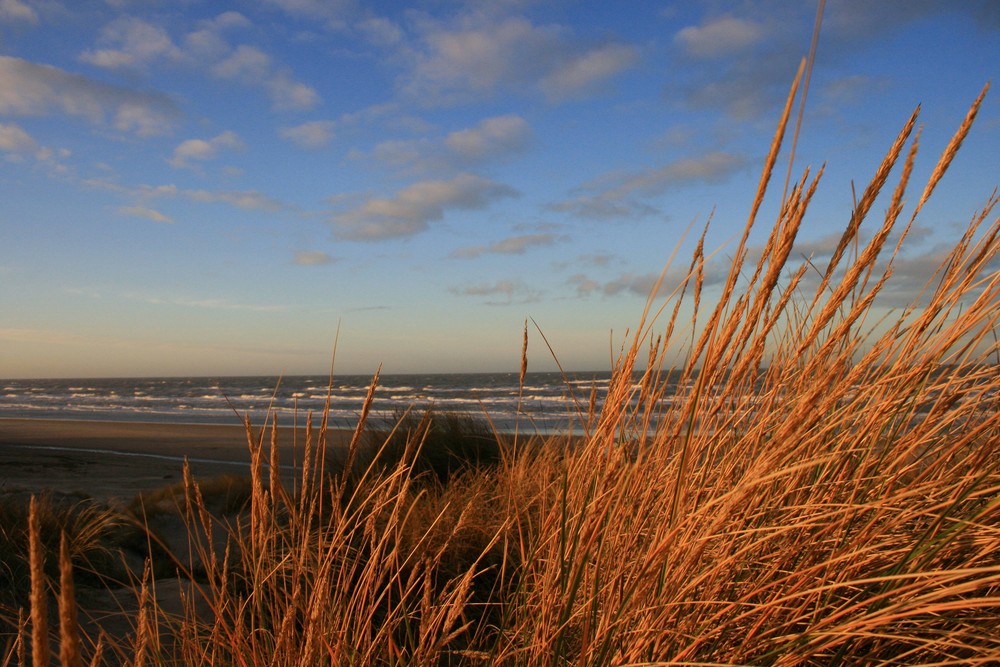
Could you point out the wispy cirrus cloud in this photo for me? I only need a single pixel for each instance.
(32, 89)
(515, 245)
(410, 210)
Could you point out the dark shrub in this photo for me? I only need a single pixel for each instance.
(445, 443)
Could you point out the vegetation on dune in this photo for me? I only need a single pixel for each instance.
(86, 526)
(822, 488)
(448, 444)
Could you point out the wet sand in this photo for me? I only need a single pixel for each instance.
(108, 460)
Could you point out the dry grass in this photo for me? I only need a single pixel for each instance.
(823, 488)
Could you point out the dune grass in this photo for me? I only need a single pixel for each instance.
(822, 488)
(82, 523)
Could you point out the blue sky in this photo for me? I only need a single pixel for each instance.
(202, 188)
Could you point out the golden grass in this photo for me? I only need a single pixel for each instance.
(39, 594)
(823, 488)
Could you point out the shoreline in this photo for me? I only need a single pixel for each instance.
(117, 460)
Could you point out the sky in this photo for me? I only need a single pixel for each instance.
(195, 187)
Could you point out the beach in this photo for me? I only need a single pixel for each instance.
(107, 460)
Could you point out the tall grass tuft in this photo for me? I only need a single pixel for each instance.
(816, 482)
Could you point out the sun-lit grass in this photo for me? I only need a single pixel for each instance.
(822, 488)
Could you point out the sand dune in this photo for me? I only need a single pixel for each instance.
(118, 460)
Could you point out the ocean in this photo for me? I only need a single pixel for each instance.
(546, 403)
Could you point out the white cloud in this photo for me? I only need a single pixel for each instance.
(619, 195)
(413, 207)
(16, 10)
(604, 206)
(711, 167)
(250, 200)
(511, 290)
(491, 137)
(403, 152)
(642, 284)
(251, 66)
(912, 270)
(290, 95)
(480, 56)
(580, 74)
(30, 89)
(747, 89)
(14, 139)
(245, 63)
(245, 199)
(381, 31)
(860, 19)
(515, 245)
(132, 42)
(848, 91)
(312, 258)
(152, 191)
(333, 12)
(474, 60)
(742, 66)
(206, 44)
(584, 286)
(203, 149)
(227, 20)
(145, 212)
(720, 36)
(314, 134)
(139, 117)
(738, 63)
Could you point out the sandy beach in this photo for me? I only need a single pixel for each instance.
(108, 460)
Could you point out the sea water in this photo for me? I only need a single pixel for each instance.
(545, 402)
